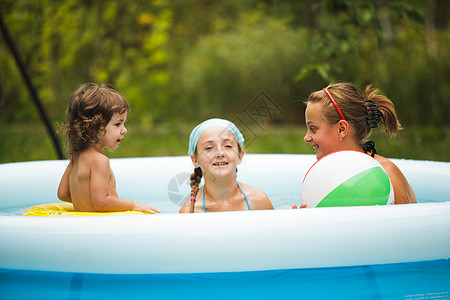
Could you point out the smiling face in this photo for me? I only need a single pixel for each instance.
(322, 136)
(114, 131)
(217, 153)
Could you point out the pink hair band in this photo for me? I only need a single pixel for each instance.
(334, 103)
(193, 198)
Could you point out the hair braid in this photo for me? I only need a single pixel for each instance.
(196, 177)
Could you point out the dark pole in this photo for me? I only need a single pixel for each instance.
(31, 88)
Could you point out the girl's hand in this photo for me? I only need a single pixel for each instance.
(145, 208)
(294, 206)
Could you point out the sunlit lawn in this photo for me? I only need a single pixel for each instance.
(27, 142)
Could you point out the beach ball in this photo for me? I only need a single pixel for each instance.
(346, 178)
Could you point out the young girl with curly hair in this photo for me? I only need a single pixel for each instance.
(95, 120)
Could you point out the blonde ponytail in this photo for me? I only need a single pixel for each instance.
(386, 108)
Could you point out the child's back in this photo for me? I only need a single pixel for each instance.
(86, 166)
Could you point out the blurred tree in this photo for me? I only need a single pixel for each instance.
(70, 42)
(189, 59)
(341, 27)
(393, 44)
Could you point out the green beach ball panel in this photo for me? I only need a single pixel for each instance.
(356, 191)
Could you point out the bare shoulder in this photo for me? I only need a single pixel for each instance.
(257, 198)
(94, 155)
(185, 207)
(388, 165)
(94, 158)
(92, 163)
(402, 190)
(392, 170)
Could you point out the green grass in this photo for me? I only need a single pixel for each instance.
(30, 142)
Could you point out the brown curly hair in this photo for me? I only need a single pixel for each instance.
(90, 109)
(354, 108)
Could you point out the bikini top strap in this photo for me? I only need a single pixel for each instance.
(245, 196)
(204, 206)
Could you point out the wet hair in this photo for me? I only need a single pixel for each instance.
(363, 111)
(90, 109)
(196, 177)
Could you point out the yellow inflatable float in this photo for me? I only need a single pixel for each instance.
(67, 210)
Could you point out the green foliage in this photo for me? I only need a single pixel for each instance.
(70, 42)
(397, 45)
(223, 72)
(185, 61)
(25, 142)
(341, 29)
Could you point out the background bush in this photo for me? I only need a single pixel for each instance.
(180, 62)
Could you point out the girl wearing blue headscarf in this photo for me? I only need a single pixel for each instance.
(216, 148)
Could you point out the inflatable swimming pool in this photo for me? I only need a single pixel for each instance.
(376, 252)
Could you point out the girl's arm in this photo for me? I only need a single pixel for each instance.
(403, 193)
(63, 189)
(103, 190)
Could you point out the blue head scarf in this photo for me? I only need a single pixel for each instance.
(199, 129)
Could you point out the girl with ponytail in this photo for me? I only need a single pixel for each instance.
(216, 148)
(338, 117)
